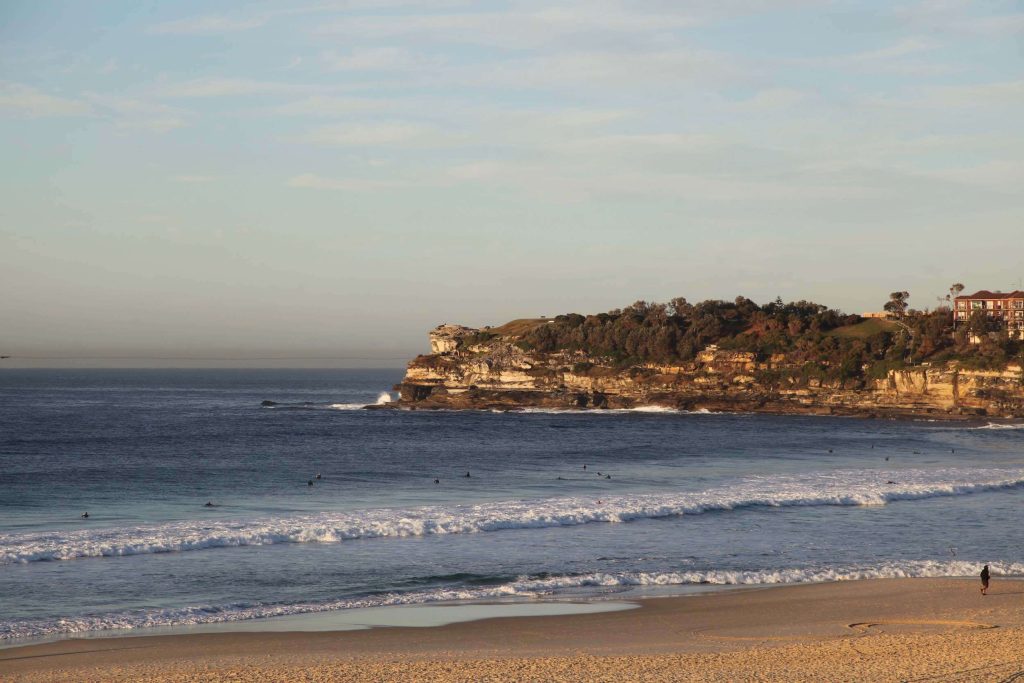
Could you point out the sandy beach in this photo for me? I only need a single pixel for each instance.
(873, 630)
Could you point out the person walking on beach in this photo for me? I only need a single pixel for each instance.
(984, 580)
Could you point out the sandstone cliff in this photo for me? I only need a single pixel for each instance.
(486, 369)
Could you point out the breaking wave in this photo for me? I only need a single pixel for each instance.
(310, 405)
(612, 411)
(836, 488)
(522, 587)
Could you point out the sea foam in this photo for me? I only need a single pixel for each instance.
(523, 587)
(832, 488)
(654, 409)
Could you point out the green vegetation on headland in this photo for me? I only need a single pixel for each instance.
(865, 329)
(823, 343)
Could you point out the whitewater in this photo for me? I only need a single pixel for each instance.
(853, 487)
(609, 585)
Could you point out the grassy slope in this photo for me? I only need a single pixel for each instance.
(865, 329)
(517, 328)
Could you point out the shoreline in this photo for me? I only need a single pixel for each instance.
(891, 415)
(873, 629)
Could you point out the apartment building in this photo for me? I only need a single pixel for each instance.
(1007, 308)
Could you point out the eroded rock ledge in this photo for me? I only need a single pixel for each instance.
(477, 369)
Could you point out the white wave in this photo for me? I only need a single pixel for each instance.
(607, 411)
(523, 587)
(347, 406)
(888, 570)
(1002, 425)
(840, 487)
(214, 614)
(307, 405)
(384, 398)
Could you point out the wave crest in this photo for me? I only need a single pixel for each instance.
(840, 488)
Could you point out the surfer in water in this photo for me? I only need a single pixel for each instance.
(984, 580)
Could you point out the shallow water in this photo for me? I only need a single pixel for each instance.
(692, 499)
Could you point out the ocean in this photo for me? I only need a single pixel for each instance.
(556, 505)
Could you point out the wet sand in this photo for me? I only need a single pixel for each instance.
(876, 630)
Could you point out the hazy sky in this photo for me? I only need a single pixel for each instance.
(331, 179)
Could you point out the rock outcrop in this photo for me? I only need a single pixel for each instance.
(479, 369)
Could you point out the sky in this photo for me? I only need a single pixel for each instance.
(282, 183)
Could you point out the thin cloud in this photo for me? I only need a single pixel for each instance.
(1004, 175)
(329, 106)
(999, 94)
(317, 182)
(899, 58)
(1003, 25)
(377, 59)
(365, 135)
(193, 179)
(580, 182)
(211, 24)
(957, 19)
(907, 46)
(511, 29)
(228, 87)
(129, 112)
(24, 100)
(593, 69)
(773, 99)
(216, 24)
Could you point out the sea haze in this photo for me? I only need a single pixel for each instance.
(666, 499)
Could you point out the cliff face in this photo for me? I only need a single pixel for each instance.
(474, 369)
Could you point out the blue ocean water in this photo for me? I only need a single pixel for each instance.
(664, 499)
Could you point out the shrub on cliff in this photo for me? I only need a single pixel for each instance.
(581, 368)
(801, 331)
(660, 333)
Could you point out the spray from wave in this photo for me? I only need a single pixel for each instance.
(383, 398)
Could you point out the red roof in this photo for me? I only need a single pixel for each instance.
(985, 294)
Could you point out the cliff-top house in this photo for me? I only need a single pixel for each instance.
(1006, 308)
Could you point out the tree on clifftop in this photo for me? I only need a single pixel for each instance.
(954, 292)
(897, 303)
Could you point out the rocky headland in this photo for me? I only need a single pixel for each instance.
(496, 369)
